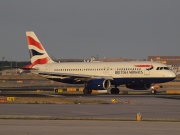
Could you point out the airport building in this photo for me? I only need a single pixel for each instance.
(117, 59)
(172, 61)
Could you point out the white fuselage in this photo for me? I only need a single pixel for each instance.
(135, 69)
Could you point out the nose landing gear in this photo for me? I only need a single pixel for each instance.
(154, 89)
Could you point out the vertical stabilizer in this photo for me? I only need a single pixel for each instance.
(37, 52)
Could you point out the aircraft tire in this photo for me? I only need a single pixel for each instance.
(87, 91)
(114, 91)
(153, 91)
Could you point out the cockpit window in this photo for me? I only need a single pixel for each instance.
(162, 68)
(166, 68)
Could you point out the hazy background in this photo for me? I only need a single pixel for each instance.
(82, 28)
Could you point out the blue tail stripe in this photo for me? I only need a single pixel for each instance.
(34, 53)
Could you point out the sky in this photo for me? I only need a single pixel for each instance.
(79, 29)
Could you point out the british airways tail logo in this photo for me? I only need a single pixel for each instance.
(33, 42)
(148, 67)
(37, 53)
(34, 53)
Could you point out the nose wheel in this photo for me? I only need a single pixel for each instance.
(153, 91)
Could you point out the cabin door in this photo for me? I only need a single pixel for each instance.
(106, 70)
(146, 71)
(48, 68)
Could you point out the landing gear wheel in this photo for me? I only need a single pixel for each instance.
(153, 91)
(87, 91)
(114, 91)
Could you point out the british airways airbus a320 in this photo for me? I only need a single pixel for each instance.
(137, 75)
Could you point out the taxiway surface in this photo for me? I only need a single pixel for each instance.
(151, 107)
(81, 127)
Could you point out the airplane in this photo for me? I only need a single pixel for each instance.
(136, 75)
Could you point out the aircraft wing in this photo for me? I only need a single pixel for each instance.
(75, 76)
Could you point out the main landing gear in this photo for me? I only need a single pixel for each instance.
(87, 91)
(115, 90)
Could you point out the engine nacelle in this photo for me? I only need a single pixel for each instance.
(138, 86)
(98, 84)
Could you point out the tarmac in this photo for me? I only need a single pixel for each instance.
(159, 114)
(115, 114)
(85, 127)
(151, 108)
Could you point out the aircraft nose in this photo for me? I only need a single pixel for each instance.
(172, 74)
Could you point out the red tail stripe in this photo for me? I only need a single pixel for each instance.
(28, 67)
(39, 61)
(33, 42)
(143, 65)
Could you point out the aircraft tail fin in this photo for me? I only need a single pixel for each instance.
(38, 54)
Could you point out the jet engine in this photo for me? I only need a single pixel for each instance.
(98, 84)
